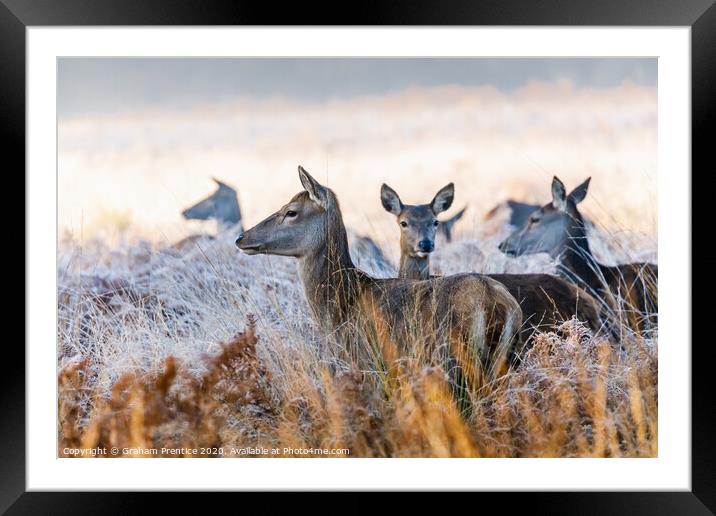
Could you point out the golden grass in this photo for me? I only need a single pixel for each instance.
(141, 365)
(574, 395)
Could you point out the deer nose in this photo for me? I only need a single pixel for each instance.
(504, 247)
(238, 239)
(426, 246)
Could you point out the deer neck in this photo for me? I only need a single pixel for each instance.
(330, 280)
(414, 267)
(234, 214)
(577, 263)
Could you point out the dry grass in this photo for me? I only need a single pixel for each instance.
(573, 396)
(142, 366)
(168, 408)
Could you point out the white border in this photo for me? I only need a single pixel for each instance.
(671, 470)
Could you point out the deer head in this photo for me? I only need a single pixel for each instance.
(222, 206)
(418, 223)
(299, 228)
(551, 228)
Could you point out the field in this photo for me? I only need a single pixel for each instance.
(209, 347)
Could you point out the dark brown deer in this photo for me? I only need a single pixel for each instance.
(475, 318)
(545, 300)
(558, 228)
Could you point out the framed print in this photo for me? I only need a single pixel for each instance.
(422, 252)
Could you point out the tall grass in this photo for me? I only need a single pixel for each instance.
(211, 348)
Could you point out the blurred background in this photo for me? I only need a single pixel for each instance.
(140, 138)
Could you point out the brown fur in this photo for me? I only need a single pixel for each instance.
(636, 285)
(546, 301)
(342, 296)
(475, 310)
(558, 228)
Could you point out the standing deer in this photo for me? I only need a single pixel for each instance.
(545, 300)
(558, 228)
(475, 316)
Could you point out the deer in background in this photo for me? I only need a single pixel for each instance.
(558, 228)
(446, 227)
(221, 206)
(519, 211)
(475, 316)
(545, 300)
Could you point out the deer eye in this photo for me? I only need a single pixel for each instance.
(436, 223)
(403, 224)
(291, 213)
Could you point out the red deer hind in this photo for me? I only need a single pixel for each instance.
(545, 300)
(474, 316)
(558, 228)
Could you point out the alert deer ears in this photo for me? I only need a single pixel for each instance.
(390, 200)
(559, 194)
(443, 199)
(578, 194)
(316, 191)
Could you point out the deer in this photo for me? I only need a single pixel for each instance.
(473, 317)
(368, 256)
(519, 211)
(221, 206)
(446, 227)
(545, 300)
(519, 214)
(558, 228)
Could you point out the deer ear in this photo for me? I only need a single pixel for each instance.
(578, 194)
(559, 194)
(390, 200)
(458, 215)
(443, 199)
(315, 190)
(222, 185)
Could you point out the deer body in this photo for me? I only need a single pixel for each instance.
(465, 311)
(559, 229)
(634, 283)
(545, 300)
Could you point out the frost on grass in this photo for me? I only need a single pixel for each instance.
(210, 347)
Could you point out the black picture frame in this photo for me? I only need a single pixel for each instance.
(17, 15)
